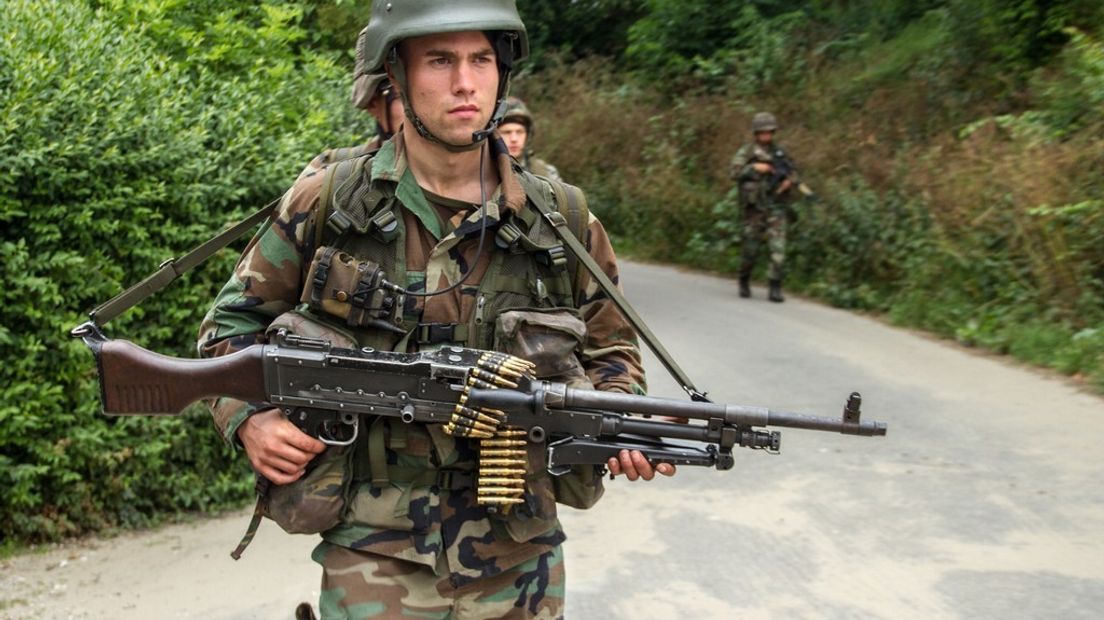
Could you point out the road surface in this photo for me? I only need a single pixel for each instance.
(985, 500)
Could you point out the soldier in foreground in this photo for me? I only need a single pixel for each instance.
(765, 176)
(517, 130)
(403, 535)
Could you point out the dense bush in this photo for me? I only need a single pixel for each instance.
(124, 141)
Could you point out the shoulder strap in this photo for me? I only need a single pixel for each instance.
(564, 231)
(571, 204)
(335, 175)
(173, 268)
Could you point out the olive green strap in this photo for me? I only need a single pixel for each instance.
(560, 226)
(173, 268)
(263, 486)
(377, 454)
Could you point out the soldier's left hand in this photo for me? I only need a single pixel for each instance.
(634, 465)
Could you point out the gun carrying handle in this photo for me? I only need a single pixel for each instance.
(134, 380)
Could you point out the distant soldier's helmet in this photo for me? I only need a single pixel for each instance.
(517, 112)
(366, 86)
(764, 121)
(395, 20)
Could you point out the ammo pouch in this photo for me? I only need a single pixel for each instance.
(315, 502)
(551, 339)
(356, 291)
(752, 191)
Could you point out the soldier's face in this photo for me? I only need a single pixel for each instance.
(764, 137)
(515, 136)
(452, 80)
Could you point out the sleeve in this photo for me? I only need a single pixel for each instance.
(741, 168)
(611, 353)
(265, 283)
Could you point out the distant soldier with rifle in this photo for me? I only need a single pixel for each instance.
(766, 177)
(517, 130)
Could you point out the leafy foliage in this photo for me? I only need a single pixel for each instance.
(130, 132)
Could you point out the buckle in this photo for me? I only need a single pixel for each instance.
(432, 333)
(338, 222)
(555, 218)
(454, 479)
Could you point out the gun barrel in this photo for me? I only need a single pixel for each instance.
(737, 415)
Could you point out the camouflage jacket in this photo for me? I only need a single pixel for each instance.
(420, 522)
(330, 156)
(753, 185)
(540, 167)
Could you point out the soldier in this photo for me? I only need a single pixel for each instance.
(373, 93)
(765, 175)
(517, 130)
(403, 534)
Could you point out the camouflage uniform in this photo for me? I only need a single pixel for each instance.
(518, 112)
(407, 528)
(367, 86)
(765, 212)
(539, 167)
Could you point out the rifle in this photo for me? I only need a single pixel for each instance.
(784, 170)
(326, 391)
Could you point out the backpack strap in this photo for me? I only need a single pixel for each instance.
(342, 165)
(572, 205)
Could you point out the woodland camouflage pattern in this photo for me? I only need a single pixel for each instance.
(764, 213)
(421, 522)
(532, 589)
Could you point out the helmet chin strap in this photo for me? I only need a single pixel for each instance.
(478, 137)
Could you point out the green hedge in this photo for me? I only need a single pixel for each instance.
(120, 149)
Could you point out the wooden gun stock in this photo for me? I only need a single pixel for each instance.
(136, 381)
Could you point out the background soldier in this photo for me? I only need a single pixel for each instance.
(765, 175)
(373, 93)
(517, 130)
(403, 533)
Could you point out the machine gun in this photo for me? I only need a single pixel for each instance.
(487, 396)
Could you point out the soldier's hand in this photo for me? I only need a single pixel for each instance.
(277, 449)
(634, 465)
(763, 167)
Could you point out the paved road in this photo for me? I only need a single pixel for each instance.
(985, 500)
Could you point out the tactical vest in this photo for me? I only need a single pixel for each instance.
(529, 269)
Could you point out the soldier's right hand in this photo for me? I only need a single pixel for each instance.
(277, 449)
(763, 167)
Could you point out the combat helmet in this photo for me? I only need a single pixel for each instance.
(395, 20)
(366, 85)
(518, 112)
(763, 121)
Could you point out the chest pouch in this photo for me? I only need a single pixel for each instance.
(357, 291)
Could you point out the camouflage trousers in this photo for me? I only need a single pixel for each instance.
(358, 585)
(757, 224)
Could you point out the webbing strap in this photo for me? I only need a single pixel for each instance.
(263, 485)
(560, 226)
(377, 454)
(176, 267)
